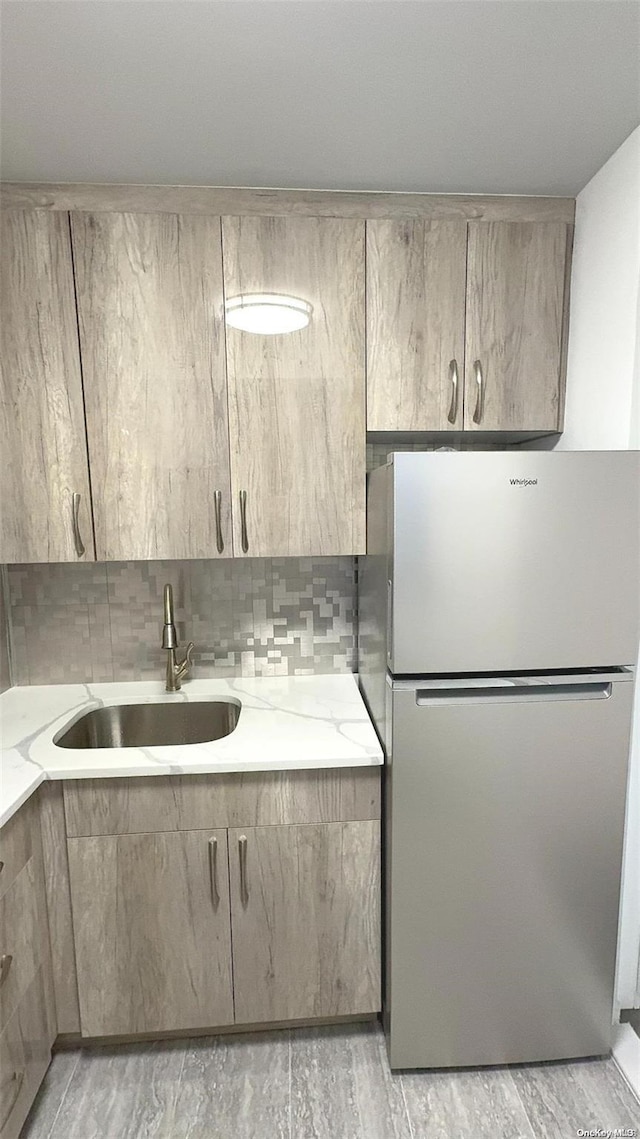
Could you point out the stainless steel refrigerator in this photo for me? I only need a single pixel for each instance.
(498, 635)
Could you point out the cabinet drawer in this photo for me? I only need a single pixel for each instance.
(16, 844)
(20, 939)
(202, 802)
(25, 1053)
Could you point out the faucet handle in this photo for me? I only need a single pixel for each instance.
(186, 662)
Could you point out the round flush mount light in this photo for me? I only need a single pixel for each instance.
(267, 314)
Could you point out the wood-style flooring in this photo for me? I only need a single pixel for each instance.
(322, 1083)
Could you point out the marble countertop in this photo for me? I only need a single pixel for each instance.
(285, 723)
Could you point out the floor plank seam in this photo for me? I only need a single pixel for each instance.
(534, 1134)
(64, 1094)
(176, 1100)
(406, 1109)
(290, 1085)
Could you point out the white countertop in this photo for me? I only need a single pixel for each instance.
(285, 723)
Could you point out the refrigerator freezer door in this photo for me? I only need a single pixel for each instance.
(514, 560)
(506, 816)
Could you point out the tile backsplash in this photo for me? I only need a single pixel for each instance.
(73, 623)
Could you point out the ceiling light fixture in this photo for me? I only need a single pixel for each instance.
(267, 314)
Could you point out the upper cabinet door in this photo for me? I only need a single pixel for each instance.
(515, 309)
(152, 336)
(46, 513)
(416, 274)
(296, 399)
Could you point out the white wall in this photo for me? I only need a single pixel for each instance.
(603, 413)
(603, 364)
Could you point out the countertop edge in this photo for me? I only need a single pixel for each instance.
(20, 798)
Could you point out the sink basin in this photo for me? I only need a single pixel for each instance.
(152, 725)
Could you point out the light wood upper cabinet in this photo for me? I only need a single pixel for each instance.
(149, 290)
(297, 400)
(485, 357)
(152, 931)
(42, 435)
(514, 339)
(416, 274)
(305, 906)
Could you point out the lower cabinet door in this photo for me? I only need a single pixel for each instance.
(25, 1054)
(152, 931)
(305, 904)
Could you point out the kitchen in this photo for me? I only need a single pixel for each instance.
(196, 897)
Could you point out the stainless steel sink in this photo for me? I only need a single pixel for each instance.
(152, 725)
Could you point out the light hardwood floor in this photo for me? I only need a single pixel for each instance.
(324, 1083)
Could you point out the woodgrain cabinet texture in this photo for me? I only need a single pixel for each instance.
(297, 401)
(25, 1055)
(175, 932)
(200, 802)
(152, 931)
(305, 904)
(42, 433)
(416, 279)
(58, 895)
(516, 306)
(466, 325)
(185, 437)
(150, 311)
(27, 1008)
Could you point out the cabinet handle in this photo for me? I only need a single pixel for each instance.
(5, 965)
(243, 521)
(75, 511)
(17, 1080)
(453, 380)
(479, 412)
(242, 852)
(213, 869)
(1, 866)
(217, 506)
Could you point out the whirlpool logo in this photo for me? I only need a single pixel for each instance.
(523, 482)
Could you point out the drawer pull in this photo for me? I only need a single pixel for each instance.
(17, 1081)
(1, 866)
(213, 870)
(5, 965)
(244, 888)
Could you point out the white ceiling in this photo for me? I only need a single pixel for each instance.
(504, 96)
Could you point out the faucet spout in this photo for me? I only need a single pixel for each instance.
(176, 670)
(168, 604)
(169, 634)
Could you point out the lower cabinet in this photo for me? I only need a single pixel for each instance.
(152, 931)
(27, 1010)
(25, 1055)
(183, 929)
(305, 916)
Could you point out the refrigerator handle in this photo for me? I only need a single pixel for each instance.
(389, 617)
(519, 693)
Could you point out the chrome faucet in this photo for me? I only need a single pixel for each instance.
(176, 671)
